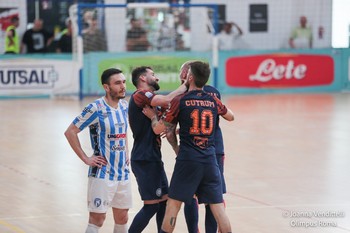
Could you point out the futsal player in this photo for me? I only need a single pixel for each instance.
(109, 184)
(196, 170)
(191, 209)
(146, 158)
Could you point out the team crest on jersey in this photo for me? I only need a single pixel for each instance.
(97, 202)
(201, 142)
(148, 94)
(159, 192)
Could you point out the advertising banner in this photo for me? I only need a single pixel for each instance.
(30, 77)
(280, 71)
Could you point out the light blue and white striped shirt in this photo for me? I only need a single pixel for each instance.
(111, 127)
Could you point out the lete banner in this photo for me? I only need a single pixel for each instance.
(280, 71)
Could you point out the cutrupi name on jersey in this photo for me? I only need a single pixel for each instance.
(119, 135)
(201, 103)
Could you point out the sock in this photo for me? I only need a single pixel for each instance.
(160, 214)
(210, 223)
(91, 228)
(120, 228)
(142, 218)
(191, 216)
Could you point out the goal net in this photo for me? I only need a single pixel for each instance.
(128, 31)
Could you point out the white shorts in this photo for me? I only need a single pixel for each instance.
(103, 193)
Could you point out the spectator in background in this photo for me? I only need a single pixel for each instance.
(36, 39)
(229, 33)
(301, 36)
(94, 40)
(136, 37)
(64, 44)
(11, 37)
(167, 37)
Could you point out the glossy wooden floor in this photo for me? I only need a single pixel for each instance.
(288, 161)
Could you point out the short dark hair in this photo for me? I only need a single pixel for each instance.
(137, 72)
(108, 73)
(201, 72)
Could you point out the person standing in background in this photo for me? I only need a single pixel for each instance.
(228, 35)
(301, 36)
(109, 176)
(136, 37)
(64, 44)
(94, 40)
(12, 45)
(36, 39)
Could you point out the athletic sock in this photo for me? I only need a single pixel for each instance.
(191, 216)
(91, 228)
(142, 218)
(120, 228)
(210, 223)
(160, 214)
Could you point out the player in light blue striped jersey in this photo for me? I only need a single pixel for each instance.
(109, 182)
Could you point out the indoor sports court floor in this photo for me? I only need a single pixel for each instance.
(287, 166)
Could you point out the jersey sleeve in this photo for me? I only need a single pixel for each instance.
(143, 98)
(222, 110)
(88, 116)
(171, 113)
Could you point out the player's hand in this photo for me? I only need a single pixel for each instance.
(96, 161)
(149, 112)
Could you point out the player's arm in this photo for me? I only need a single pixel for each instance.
(164, 100)
(172, 138)
(72, 136)
(229, 115)
(225, 112)
(157, 125)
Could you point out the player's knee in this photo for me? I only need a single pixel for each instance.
(97, 219)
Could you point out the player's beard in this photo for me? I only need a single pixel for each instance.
(154, 84)
(117, 95)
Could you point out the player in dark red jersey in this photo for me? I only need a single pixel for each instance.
(196, 170)
(146, 158)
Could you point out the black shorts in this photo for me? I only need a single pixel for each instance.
(151, 179)
(191, 178)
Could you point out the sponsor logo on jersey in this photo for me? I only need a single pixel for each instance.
(117, 136)
(201, 142)
(280, 71)
(14, 77)
(148, 94)
(119, 124)
(97, 202)
(87, 109)
(118, 148)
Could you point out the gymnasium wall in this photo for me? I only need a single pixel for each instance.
(239, 72)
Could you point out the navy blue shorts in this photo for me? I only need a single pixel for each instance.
(151, 179)
(191, 178)
(220, 159)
